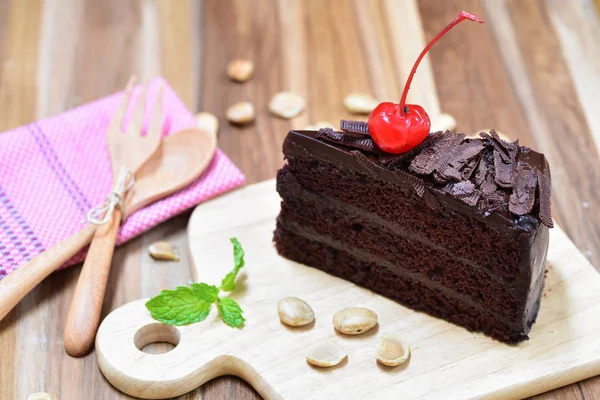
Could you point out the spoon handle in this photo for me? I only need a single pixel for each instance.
(21, 281)
(86, 306)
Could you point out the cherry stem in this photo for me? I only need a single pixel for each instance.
(461, 17)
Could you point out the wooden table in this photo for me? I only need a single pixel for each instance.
(532, 72)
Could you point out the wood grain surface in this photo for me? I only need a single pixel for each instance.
(530, 72)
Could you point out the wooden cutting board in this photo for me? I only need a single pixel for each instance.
(447, 362)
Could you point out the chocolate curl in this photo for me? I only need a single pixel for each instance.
(444, 157)
(510, 147)
(488, 186)
(360, 127)
(460, 189)
(330, 135)
(507, 150)
(464, 191)
(361, 143)
(417, 183)
(448, 174)
(523, 196)
(498, 196)
(504, 156)
(545, 191)
(503, 170)
(367, 164)
(457, 159)
(482, 171)
(496, 202)
(436, 153)
(431, 201)
(392, 160)
(469, 168)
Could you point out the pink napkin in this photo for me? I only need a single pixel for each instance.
(53, 171)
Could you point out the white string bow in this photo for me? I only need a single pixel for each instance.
(103, 213)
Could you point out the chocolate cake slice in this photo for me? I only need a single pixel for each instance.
(456, 227)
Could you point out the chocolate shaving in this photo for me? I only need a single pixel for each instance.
(363, 144)
(503, 170)
(457, 158)
(367, 164)
(465, 191)
(545, 190)
(485, 205)
(417, 183)
(329, 134)
(444, 157)
(360, 143)
(437, 151)
(509, 147)
(392, 160)
(461, 189)
(431, 201)
(497, 196)
(360, 127)
(488, 205)
(449, 174)
(482, 171)
(488, 186)
(429, 139)
(493, 202)
(504, 156)
(523, 196)
(467, 171)
(396, 159)
(501, 146)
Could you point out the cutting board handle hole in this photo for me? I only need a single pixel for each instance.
(157, 333)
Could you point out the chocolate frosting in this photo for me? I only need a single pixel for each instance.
(498, 179)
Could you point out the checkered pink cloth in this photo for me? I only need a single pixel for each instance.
(53, 171)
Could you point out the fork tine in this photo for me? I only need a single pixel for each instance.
(156, 119)
(117, 119)
(135, 125)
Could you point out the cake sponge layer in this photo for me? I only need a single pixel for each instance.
(382, 240)
(396, 286)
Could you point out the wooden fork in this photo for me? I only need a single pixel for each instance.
(128, 149)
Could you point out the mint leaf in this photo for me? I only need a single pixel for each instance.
(228, 283)
(187, 305)
(181, 306)
(208, 293)
(230, 311)
(238, 253)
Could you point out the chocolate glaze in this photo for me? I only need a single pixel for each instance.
(529, 230)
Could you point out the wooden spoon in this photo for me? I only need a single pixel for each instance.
(180, 160)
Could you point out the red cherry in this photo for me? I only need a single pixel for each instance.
(397, 128)
(396, 132)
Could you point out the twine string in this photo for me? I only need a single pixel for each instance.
(103, 213)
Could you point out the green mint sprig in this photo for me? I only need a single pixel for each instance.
(188, 305)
